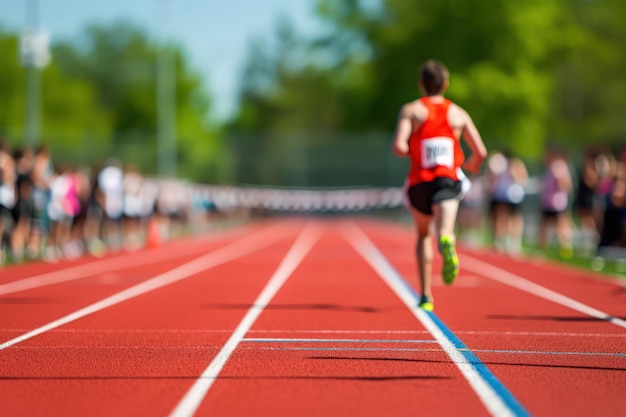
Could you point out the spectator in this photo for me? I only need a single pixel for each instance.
(94, 215)
(555, 191)
(133, 205)
(42, 176)
(7, 198)
(24, 206)
(614, 220)
(60, 212)
(507, 177)
(111, 185)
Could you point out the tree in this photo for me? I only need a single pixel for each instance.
(502, 56)
(590, 92)
(68, 105)
(119, 62)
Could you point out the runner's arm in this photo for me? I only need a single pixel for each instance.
(475, 142)
(404, 128)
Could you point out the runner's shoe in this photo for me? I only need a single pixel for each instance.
(450, 260)
(427, 303)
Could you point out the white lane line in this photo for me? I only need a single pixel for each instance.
(227, 253)
(194, 397)
(131, 260)
(497, 274)
(330, 341)
(490, 398)
(342, 332)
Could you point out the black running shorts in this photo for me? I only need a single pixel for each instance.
(423, 195)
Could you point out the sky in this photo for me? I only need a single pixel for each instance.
(214, 33)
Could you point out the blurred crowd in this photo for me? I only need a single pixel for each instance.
(577, 207)
(55, 211)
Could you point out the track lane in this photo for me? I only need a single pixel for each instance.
(123, 372)
(301, 247)
(353, 371)
(494, 312)
(38, 306)
(29, 310)
(18, 278)
(136, 358)
(599, 292)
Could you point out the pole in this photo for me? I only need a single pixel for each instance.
(166, 99)
(33, 84)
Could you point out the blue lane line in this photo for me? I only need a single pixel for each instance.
(514, 405)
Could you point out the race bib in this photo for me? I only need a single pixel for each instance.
(438, 151)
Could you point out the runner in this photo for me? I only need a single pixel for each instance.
(428, 132)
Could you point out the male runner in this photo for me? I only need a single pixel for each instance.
(428, 132)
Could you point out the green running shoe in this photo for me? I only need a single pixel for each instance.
(450, 260)
(427, 303)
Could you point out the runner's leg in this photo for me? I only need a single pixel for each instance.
(424, 251)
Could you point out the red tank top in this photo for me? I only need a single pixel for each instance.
(434, 148)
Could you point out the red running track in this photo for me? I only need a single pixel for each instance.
(308, 318)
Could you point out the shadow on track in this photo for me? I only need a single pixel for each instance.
(619, 291)
(362, 358)
(333, 307)
(351, 358)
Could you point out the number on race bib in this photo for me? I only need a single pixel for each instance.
(438, 151)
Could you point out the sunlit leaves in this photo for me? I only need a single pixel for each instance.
(530, 72)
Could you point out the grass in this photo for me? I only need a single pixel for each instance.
(612, 267)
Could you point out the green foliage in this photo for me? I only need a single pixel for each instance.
(98, 99)
(70, 111)
(12, 80)
(590, 92)
(528, 72)
(67, 105)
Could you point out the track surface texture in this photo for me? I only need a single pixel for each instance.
(308, 317)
